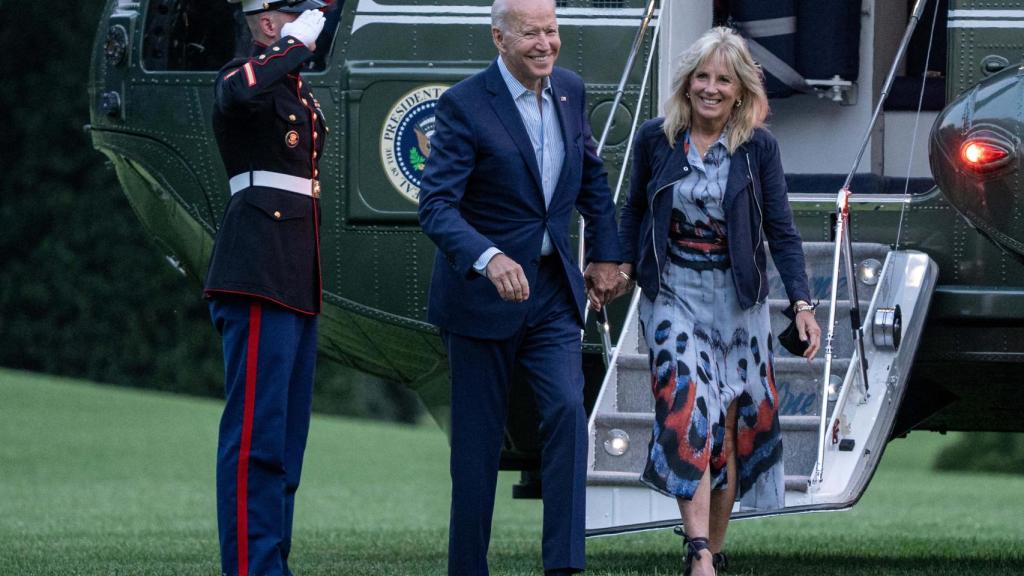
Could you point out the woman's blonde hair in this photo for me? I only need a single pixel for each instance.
(732, 49)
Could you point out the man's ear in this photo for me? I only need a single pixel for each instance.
(497, 36)
(268, 25)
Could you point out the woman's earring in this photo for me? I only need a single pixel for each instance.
(687, 94)
(739, 103)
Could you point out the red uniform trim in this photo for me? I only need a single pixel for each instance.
(250, 74)
(313, 170)
(273, 55)
(251, 361)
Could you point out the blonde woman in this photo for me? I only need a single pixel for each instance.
(707, 187)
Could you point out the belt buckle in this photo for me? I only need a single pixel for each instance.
(316, 189)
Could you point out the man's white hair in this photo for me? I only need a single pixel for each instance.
(500, 11)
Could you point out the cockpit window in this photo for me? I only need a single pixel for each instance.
(203, 35)
(191, 34)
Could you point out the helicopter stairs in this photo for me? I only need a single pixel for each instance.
(621, 422)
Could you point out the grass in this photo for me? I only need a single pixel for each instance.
(108, 481)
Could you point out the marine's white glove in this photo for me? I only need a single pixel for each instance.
(306, 28)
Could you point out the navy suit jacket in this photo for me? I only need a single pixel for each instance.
(481, 188)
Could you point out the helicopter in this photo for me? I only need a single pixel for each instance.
(920, 243)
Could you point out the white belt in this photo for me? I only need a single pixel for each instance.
(307, 186)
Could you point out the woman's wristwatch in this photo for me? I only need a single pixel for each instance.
(802, 306)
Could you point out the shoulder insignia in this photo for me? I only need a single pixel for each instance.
(250, 74)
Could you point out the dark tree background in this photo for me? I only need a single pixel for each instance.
(83, 290)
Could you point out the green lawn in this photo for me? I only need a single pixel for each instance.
(100, 480)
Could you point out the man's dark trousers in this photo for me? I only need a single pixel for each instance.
(269, 362)
(547, 349)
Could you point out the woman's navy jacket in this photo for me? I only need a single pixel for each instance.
(755, 200)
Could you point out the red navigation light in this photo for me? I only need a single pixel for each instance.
(983, 155)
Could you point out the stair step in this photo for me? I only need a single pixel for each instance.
(818, 257)
(799, 441)
(797, 381)
(794, 483)
(606, 478)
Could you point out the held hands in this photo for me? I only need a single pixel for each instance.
(807, 328)
(306, 28)
(508, 277)
(603, 283)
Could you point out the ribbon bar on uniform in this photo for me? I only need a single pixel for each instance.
(266, 179)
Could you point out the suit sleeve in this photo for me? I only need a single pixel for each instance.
(239, 83)
(594, 201)
(448, 170)
(783, 237)
(635, 207)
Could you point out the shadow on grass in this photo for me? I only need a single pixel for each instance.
(959, 563)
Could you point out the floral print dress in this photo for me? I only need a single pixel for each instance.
(706, 352)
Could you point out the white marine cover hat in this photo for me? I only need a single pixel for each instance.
(257, 6)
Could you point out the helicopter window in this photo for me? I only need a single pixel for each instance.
(196, 35)
(906, 88)
(189, 34)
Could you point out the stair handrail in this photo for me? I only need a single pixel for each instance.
(844, 248)
(603, 325)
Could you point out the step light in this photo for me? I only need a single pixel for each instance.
(616, 442)
(835, 383)
(868, 271)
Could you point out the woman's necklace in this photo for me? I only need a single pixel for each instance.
(702, 148)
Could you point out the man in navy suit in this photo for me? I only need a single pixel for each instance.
(511, 157)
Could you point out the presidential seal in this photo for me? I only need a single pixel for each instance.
(405, 139)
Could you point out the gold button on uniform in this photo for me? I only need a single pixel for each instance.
(263, 56)
(291, 41)
(277, 214)
(277, 48)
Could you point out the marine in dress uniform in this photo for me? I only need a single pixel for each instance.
(264, 282)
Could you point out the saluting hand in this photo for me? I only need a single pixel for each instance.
(306, 28)
(507, 276)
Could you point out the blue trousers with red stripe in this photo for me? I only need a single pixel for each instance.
(269, 362)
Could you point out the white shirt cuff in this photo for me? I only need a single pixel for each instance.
(481, 263)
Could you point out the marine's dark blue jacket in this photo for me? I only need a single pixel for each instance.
(755, 200)
(266, 118)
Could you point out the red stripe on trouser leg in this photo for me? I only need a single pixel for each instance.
(251, 359)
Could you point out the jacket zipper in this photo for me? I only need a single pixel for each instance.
(760, 230)
(654, 240)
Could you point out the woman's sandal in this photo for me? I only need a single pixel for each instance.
(694, 546)
(718, 559)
